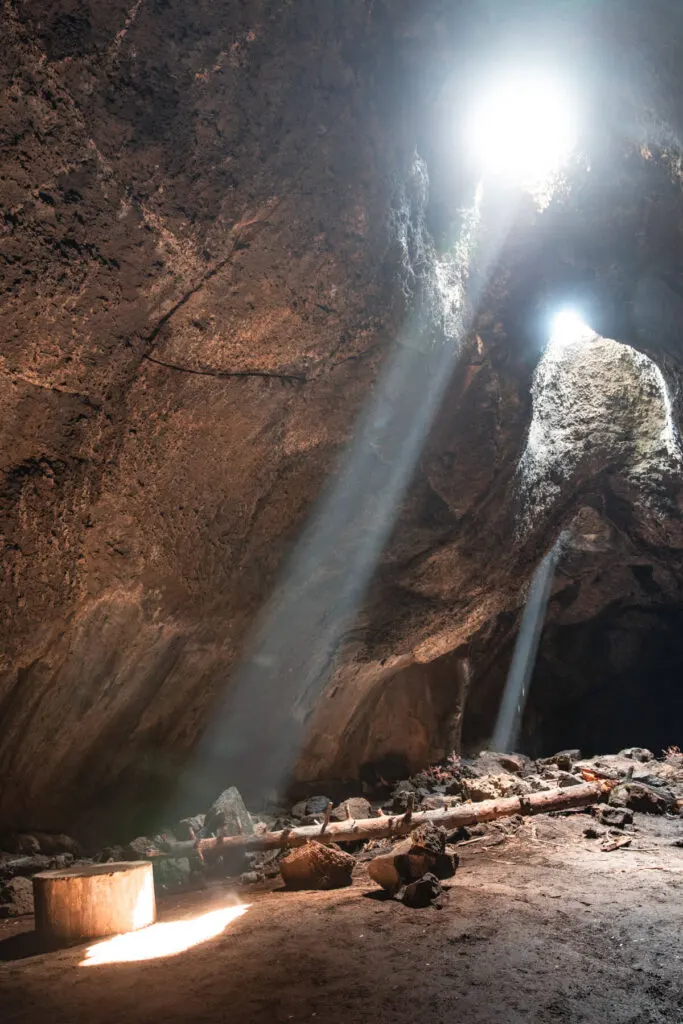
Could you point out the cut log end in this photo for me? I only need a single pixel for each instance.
(93, 900)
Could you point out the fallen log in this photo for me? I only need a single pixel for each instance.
(396, 825)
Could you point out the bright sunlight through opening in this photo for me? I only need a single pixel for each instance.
(568, 327)
(523, 130)
(160, 940)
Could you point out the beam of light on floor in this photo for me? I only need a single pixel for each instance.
(167, 938)
(516, 690)
(255, 737)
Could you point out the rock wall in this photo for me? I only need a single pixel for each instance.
(208, 258)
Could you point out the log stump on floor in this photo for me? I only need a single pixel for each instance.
(93, 900)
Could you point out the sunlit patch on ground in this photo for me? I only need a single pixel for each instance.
(162, 940)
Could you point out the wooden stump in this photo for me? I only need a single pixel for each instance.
(93, 900)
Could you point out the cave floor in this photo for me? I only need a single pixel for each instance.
(542, 927)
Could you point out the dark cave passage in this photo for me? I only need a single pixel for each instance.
(609, 683)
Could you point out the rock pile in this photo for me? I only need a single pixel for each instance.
(411, 871)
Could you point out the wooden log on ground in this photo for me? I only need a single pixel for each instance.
(398, 825)
(92, 900)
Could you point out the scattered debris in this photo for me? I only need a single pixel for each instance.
(316, 866)
(615, 844)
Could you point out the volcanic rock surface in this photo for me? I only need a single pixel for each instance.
(220, 224)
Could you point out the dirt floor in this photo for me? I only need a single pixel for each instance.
(541, 927)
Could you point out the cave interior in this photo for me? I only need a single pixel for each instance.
(297, 397)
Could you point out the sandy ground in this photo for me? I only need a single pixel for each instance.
(543, 927)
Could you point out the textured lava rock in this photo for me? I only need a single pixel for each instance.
(315, 866)
(616, 816)
(355, 807)
(639, 797)
(424, 892)
(228, 815)
(16, 897)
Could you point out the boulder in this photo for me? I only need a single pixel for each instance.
(358, 807)
(16, 897)
(424, 892)
(316, 866)
(228, 815)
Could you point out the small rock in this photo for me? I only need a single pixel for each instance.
(637, 754)
(315, 866)
(432, 803)
(111, 853)
(429, 837)
(593, 833)
(390, 869)
(616, 816)
(171, 874)
(639, 797)
(401, 795)
(564, 759)
(446, 863)
(358, 807)
(565, 779)
(316, 805)
(16, 897)
(515, 763)
(189, 828)
(422, 893)
(228, 815)
(141, 848)
(490, 787)
(249, 878)
(12, 866)
(51, 843)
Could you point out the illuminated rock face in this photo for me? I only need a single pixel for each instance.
(213, 233)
